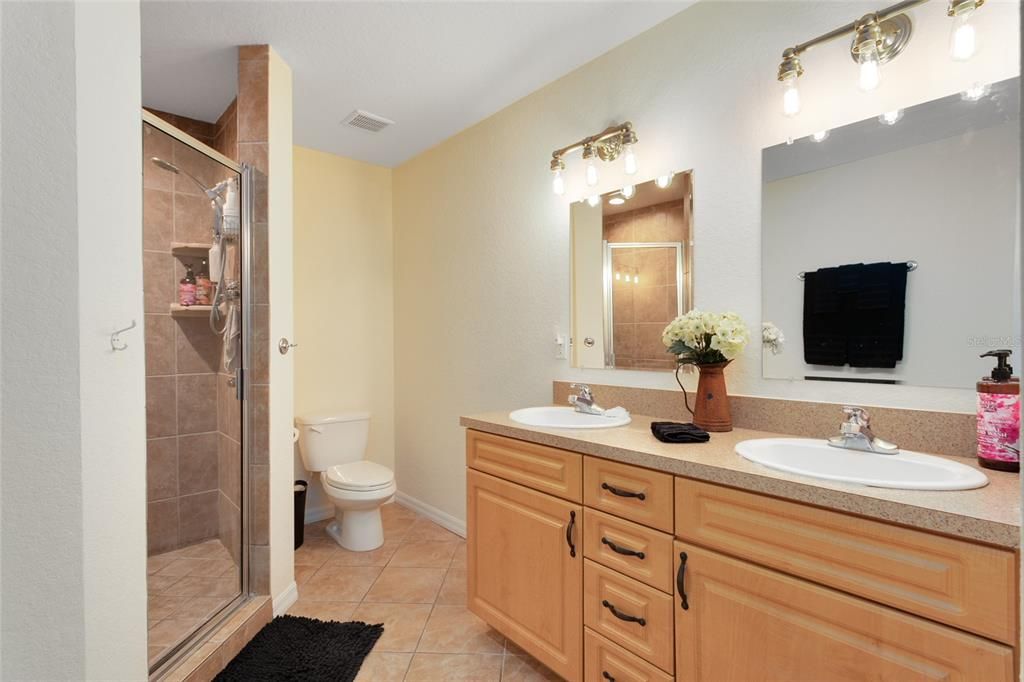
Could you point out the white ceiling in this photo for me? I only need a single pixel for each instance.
(435, 68)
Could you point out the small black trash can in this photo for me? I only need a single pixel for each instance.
(300, 511)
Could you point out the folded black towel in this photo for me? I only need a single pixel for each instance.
(671, 432)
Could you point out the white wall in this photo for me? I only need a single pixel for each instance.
(282, 369)
(957, 231)
(344, 299)
(73, 566)
(482, 244)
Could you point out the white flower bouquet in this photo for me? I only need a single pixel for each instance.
(704, 338)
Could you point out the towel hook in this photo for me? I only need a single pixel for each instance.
(115, 338)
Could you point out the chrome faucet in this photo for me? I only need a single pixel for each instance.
(584, 402)
(856, 434)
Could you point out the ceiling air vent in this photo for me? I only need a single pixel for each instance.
(367, 121)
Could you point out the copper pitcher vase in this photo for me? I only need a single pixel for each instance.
(711, 411)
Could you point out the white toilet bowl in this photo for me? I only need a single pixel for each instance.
(357, 490)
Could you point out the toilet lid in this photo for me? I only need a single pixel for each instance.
(361, 475)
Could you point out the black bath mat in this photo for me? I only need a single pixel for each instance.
(296, 648)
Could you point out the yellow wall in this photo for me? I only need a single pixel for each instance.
(482, 244)
(344, 301)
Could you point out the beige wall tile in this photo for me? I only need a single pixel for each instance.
(161, 468)
(197, 463)
(193, 220)
(160, 357)
(157, 219)
(198, 349)
(261, 349)
(162, 525)
(259, 450)
(198, 518)
(259, 522)
(229, 469)
(197, 403)
(253, 52)
(158, 285)
(253, 84)
(161, 407)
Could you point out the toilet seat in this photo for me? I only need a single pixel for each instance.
(359, 476)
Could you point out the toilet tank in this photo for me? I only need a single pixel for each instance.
(330, 438)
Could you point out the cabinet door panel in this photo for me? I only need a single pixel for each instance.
(522, 577)
(549, 470)
(750, 624)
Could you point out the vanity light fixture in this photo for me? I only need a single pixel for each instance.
(628, 191)
(878, 38)
(963, 39)
(891, 118)
(607, 145)
(820, 136)
(975, 92)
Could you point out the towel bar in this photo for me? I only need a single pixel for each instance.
(911, 266)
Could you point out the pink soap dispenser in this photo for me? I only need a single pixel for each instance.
(999, 416)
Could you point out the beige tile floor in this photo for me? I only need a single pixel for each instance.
(186, 587)
(416, 586)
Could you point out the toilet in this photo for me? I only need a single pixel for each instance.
(334, 444)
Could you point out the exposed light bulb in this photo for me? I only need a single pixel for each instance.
(591, 173)
(820, 136)
(790, 140)
(663, 181)
(870, 69)
(629, 161)
(963, 40)
(628, 191)
(594, 200)
(975, 92)
(890, 118)
(790, 96)
(558, 183)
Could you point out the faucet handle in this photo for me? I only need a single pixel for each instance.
(584, 390)
(856, 414)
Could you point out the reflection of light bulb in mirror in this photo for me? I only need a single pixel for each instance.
(558, 183)
(663, 181)
(890, 118)
(636, 279)
(627, 279)
(618, 275)
(975, 92)
(820, 136)
(616, 201)
(870, 70)
(629, 161)
(790, 96)
(962, 38)
(594, 200)
(628, 191)
(591, 173)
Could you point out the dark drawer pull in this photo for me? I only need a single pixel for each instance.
(621, 550)
(623, 616)
(623, 493)
(681, 582)
(605, 675)
(568, 534)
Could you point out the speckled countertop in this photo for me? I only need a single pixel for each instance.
(990, 514)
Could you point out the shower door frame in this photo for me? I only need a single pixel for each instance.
(178, 653)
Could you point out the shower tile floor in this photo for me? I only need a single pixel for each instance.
(415, 584)
(186, 587)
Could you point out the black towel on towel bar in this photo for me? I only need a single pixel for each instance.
(854, 314)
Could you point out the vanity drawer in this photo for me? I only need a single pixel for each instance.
(628, 491)
(612, 603)
(549, 470)
(960, 583)
(604, 660)
(637, 551)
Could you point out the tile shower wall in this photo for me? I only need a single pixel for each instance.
(182, 356)
(642, 310)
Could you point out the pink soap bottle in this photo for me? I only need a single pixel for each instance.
(999, 416)
(187, 288)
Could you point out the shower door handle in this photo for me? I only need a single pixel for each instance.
(284, 345)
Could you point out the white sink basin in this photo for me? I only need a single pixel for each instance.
(906, 470)
(565, 418)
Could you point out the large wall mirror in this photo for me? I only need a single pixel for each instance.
(632, 254)
(889, 250)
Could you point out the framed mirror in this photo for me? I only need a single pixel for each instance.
(632, 256)
(889, 245)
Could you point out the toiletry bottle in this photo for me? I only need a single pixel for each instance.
(203, 285)
(999, 416)
(187, 287)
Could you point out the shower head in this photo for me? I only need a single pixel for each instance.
(168, 166)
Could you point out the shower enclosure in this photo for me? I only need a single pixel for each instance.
(196, 272)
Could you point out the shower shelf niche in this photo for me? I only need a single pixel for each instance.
(190, 310)
(190, 249)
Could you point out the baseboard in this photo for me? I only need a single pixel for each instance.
(439, 517)
(314, 514)
(284, 601)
